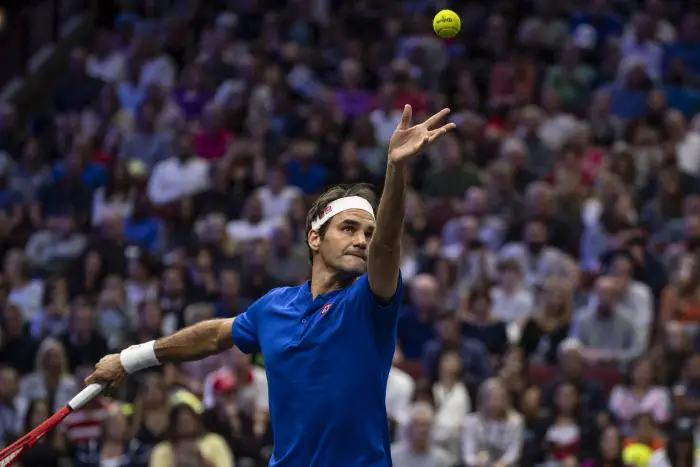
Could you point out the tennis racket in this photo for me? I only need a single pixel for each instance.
(14, 451)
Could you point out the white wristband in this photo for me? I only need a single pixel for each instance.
(139, 357)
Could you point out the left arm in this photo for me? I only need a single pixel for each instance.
(385, 251)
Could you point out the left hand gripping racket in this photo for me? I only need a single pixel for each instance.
(10, 454)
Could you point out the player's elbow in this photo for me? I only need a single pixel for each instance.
(222, 340)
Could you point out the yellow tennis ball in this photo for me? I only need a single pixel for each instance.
(447, 24)
(636, 455)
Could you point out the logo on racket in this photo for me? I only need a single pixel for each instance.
(324, 310)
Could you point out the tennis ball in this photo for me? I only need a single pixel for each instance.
(636, 455)
(447, 24)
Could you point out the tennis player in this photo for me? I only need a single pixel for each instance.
(328, 344)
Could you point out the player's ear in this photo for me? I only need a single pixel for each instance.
(314, 240)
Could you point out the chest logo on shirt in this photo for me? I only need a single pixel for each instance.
(325, 309)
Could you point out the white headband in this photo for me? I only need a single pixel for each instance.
(340, 205)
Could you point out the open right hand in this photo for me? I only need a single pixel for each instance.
(108, 371)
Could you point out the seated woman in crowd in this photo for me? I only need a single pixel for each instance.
(493, 435)
(152, 411)
(638, 394)
(514, 373)
(569, 433)
(50, 377)
(543, 332)
(116, 448)
(680, 300)
(609, 452)
(479, 323)
(452, 403)
(187, 439)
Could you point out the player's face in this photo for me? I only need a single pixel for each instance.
(345, 245)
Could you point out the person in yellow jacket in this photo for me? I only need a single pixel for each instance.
(188, 444)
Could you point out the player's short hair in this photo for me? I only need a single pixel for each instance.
(362, 190)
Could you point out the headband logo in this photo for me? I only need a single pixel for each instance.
(326, 211)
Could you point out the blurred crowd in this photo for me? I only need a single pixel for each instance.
(551, 247)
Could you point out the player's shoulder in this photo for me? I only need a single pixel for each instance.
(282, 293)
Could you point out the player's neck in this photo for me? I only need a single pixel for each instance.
(324, 281)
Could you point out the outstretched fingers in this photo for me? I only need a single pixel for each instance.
(432, 121)
(435, 134)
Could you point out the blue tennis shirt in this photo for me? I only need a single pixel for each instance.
(327, 363)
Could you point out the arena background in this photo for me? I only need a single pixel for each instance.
(157, 159)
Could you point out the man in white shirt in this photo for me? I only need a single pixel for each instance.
(252, 226)
(180, 176)
(511, 302)
(276, 197)
(158, 68)
(385, 117)
(107, 62)
(399, 391)
(635, 296)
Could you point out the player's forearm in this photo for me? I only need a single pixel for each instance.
(385, 251)
(195, 342)
(390, 213)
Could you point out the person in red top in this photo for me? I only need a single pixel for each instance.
(407, 94)
(212, 141)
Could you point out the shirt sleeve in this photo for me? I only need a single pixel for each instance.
(362, 294)
(384, 316)
(245, 328)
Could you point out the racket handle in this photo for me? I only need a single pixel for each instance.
(86, 395)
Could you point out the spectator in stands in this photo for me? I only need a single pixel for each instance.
(635, 296)
(679, 299)
(25, 292)
(416, 322)
(537, 259)
(640, 393)
(480, 324)
(512, 303)
(671, 355)
(145, 143)
(151, 411)
(609, 452)
(473, 355)
(399, 391)
(50, 377)
(188, 441)
(494, 433)
(570, 433)
(11, 404)
(418, 449)
(249, 440)
(608, 334)
(451, 402)
(543, 332)
(116, 448)
(572, 366)
(17, 348)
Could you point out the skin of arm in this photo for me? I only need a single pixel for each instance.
(192, 343)
(196, 342)
(385, 250)
(384, 255)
